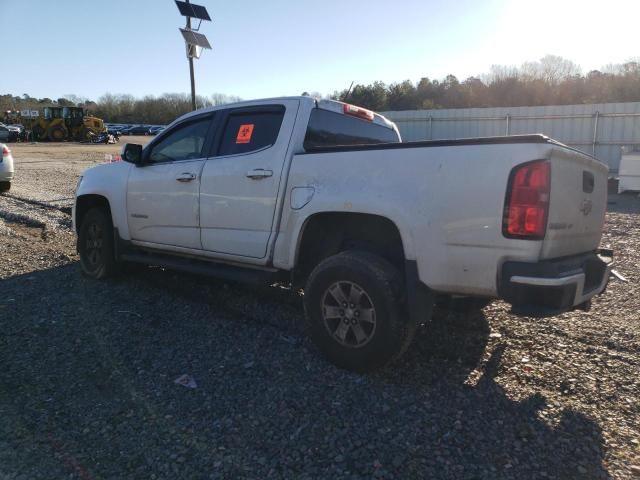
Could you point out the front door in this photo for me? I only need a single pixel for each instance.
(162, 195)
(240, 183)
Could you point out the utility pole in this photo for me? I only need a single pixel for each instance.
(190, 56)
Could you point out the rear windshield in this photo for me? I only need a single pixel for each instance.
(329, 129)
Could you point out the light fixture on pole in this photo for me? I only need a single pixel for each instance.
(195, 42)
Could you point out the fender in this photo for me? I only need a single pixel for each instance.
(290, 236)
(110, 182)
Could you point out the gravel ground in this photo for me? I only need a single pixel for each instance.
(88, 368)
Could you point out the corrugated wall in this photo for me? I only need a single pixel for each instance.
(598, 129)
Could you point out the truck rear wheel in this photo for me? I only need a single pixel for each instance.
(354, 311)
(5, 186)
(95, 245)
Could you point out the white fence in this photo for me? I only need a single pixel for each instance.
(598, 129)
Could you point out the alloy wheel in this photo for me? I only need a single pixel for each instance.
(349, 314)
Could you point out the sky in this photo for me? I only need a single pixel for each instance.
(285, 47)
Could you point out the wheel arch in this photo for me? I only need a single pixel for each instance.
(326, 233)
(86, 202)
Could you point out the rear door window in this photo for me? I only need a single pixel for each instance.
(247, 131)
(330, 129)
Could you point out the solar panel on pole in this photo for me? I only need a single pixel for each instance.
(193, 11)
(195, 41)
(195, 38)
(201, 12)
(186, 9)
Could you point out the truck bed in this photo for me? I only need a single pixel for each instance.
(447, 198)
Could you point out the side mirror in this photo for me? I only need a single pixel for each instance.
(132, 153)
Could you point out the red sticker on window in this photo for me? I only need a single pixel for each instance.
(244, 133)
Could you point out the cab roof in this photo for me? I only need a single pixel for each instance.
(331, 105)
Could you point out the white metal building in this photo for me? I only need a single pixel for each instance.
(598, 129)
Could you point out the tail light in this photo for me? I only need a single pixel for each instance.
(527, 204)
(358, 112)
(5, 150)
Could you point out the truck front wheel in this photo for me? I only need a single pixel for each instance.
(95, 244)
(354, 311)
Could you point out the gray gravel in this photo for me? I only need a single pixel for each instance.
(87, 379)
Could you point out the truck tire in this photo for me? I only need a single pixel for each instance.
(56, 134)
(96, 245)
(37, 133)
(5, 186)
(354, 311)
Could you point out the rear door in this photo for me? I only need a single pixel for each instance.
(162, 195)
(240, 183)
(578, 202)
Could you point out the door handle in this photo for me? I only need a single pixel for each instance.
(259, 173)
(186, 177)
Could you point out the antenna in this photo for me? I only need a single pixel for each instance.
(346, 97)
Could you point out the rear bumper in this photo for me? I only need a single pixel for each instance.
(6, 171)
(6, 167)
(555, 286)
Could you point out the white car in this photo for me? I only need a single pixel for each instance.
(325, 195)
(6, 168)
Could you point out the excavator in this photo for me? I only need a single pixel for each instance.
(59, 123)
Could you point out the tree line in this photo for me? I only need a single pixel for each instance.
(121, 108)
(552, 80)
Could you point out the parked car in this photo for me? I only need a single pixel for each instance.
(113, 129)
(124, 130)
(156, 130)
(139, 130)
(8, 134)
(6, 168)
(324, 195)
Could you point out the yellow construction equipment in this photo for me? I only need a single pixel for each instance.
(59, 123)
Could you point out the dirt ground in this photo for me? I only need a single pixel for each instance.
(73, 150)
(48, 171)
(87, 370)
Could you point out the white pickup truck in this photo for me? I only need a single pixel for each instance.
(326, 196)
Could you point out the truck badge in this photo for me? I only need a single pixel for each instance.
(586, 207)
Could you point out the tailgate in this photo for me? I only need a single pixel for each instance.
(578, 201)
